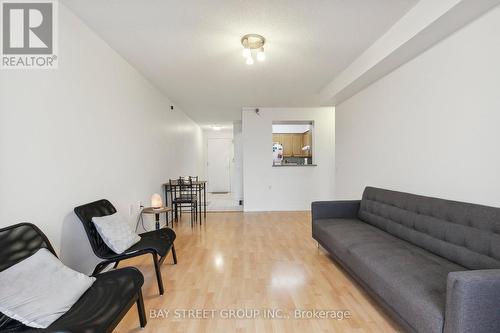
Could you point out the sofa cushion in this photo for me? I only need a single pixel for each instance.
(323, 234)
(412, 281)
(39, 289)
(464, 233)
(103, 304)
(116, 232)
(99, 308)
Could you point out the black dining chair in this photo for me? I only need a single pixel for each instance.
(99, 309)
(197, 189)
(158, 243)
(184, 195)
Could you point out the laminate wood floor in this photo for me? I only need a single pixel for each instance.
(253, 272)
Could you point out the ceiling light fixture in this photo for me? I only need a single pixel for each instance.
(246, 52)
(253, 42)
(216, 128)
(261, 56)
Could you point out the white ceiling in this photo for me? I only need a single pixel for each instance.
(191, 49)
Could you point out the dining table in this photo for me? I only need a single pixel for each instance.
(199, 185)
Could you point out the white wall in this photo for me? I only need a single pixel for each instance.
(92, 129)
(268, 188)
(430, 127)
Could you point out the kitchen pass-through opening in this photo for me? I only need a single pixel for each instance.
(293, 143)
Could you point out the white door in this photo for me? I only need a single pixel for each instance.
(219, 165)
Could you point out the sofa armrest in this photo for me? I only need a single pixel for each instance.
(473, 301)
(335, 209)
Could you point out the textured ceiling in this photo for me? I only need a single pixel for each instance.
(191, 49)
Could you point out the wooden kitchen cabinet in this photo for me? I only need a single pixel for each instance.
(307, 141)
(293, 143)
(277, 138)
(297, 145)
(306, 137)
(287, 143)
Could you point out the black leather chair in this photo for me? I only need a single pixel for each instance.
(158, 243)
(100, 308)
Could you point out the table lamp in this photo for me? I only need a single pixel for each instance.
(156, 203)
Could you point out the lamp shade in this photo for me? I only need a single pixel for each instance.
(156, 201)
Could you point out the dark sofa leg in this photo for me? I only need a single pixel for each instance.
(174, 254)
(158, 273)
(140, 308)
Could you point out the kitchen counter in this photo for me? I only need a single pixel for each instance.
(294, 165)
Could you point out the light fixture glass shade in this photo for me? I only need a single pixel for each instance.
(156, 201)
(247, 52)
(249, 61)
(261, 56)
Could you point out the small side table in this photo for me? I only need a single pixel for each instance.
(157, 212)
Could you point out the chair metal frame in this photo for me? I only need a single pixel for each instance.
(187, 197)
(39, 240)
(103, 208)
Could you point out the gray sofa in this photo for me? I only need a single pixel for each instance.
(433, 264)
